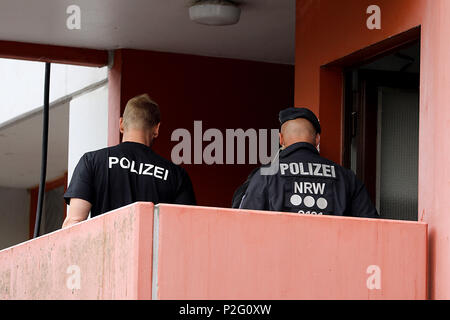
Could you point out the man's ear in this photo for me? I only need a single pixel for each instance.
(317, 140)
(156, 131)
(121, 125)
(281, 140)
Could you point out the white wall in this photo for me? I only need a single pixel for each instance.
(15, 77)
(88, 125)
(14, 216)
(21, 92)
(22, 84)
(21, 149)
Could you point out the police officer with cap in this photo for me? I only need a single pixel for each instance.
(303, 181)
(114, 177)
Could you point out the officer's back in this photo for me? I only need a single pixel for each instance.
(127, 173)
(113, 177)
(304, 182)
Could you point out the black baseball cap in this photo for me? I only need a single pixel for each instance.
(295, 113)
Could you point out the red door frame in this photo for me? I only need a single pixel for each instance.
(332, 93)
(53, 54)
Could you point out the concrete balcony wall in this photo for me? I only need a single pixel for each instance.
(213, 253)
(210, 253)
(111, 254)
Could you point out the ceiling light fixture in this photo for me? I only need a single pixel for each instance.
(215, 12)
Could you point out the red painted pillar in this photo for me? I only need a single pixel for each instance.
(114, 99)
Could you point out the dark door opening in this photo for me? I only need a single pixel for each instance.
(382, 130)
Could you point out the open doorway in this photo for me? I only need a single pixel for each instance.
(78, 123)
(382, 129)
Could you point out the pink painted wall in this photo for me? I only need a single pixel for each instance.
(211, 253)
(328, 30)
(113, 253)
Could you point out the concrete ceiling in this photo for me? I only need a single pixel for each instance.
(20, 148)
(266, 31)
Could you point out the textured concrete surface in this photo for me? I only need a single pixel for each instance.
(209, 253)
(108, 257)
(213, 253)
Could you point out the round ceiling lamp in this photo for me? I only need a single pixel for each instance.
(215, 12)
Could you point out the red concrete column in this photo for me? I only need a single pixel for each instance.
(330, 113)
(114, 98)
(330, 30)
(434, 144)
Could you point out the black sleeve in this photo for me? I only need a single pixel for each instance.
(256, 197)
(185, 191)
(81, 184)
(361, 205)
(239, 193)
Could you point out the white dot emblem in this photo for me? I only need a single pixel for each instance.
(322, 203)
(296, 200)
(309, 201)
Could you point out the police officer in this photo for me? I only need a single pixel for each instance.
(303, 181)
(113, 177)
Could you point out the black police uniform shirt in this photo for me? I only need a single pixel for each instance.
(307, 183)
(240, 191)
(114, 177)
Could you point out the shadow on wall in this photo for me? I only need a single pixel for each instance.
(14, 216)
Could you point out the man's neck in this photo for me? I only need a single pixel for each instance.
(291, 142)
(138, 137)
